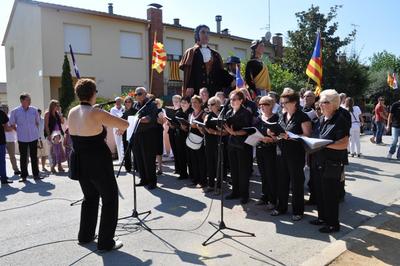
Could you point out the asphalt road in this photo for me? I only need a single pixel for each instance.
(39, 227)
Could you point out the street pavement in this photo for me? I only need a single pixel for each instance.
(39, 227)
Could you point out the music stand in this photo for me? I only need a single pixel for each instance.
(220, 174)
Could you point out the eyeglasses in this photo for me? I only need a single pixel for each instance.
(235, 99)
(326, 102)
(211, 104)
(266, 104)
(128, 101)
(139, 94)
(284, 103)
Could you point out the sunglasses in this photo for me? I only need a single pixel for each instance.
(326, 102)
(128, 101)
(139, 94)
(266, 104)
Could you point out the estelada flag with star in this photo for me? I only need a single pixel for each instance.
(159, 57)
(314, 68)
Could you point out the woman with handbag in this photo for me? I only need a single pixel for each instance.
(240, 154)
(330, 161)
(195, 142)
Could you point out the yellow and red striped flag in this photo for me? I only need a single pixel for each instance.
(159, 57)
(314, 68)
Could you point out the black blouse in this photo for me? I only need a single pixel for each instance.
(294, 123)
(242, 118)
(335, 128)
(210, 138)
(262, 126)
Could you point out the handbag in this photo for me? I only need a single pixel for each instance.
(194, 141)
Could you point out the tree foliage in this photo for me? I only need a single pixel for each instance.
(301, 44)
(385, 61)
(67, 94)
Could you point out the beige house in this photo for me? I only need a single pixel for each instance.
(3, 93)
(112, 49)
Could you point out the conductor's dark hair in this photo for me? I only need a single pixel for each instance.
(197, 32)
(85, 89)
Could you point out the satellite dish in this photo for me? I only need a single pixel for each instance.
(268, 36)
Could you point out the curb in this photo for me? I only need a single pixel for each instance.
(334, 250)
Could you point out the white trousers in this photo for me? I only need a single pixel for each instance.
(355, 140)
(119, 144)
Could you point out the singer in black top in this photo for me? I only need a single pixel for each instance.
(240, 154)
(144, 142)
(292, 158)
(266, 153)
(197, 165)
(129, 111)
(91, 164)
(211, 142)
(182, 151)
(330, 161)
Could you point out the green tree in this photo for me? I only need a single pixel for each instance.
(353, 77)
(301, 44)
(67, 95)
(385, 61)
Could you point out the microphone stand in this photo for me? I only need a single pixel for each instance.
(220, 174)
(135, 214)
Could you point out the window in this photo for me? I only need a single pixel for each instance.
(174, 48)
(78, 37)
(130, 44)
(12, 62)
(241, 53)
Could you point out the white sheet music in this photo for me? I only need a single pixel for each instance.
(133, 120)
(312, 143)
(254, 138)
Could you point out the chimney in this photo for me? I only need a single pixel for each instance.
(110, 8)
(176, 22)
(154, 16)
(218, 19)
(277, 41)
(225, 31)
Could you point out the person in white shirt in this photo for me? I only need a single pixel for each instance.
(356, 122)
(117, 111)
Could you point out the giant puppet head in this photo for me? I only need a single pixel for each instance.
(201, 34)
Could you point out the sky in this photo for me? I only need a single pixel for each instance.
(376, 21)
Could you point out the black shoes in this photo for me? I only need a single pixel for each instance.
(17, 172)
(244, 200)
(152, 186)
(87, 241)
(22, 179)
(37, 177)
(232, 196)
(329, 229)
(317, 222)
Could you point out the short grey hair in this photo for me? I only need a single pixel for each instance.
(140, 89)
(215, 100)
(331, 96)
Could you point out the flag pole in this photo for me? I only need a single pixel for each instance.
(152, 70)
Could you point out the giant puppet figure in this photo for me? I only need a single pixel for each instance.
(257, 76)
(203, 66)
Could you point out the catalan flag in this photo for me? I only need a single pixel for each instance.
(174, 71)
(159, 57)
(395, 85)
(78, 76)
(390, 80)
(314, 68)
(239, 79)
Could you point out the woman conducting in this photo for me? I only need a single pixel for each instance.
(92, 166)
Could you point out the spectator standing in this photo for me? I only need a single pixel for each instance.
(25, 120)
(394, 122)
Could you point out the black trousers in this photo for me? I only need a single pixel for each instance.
(241, 163)
(181, 154)
(145, 150)
(291, 164)
(23, 150)
(313, 174)
(327, 189)
(128, 156)
(266, 161)
(198, 166)
(211, 149)
(93, 188)
(172, 135)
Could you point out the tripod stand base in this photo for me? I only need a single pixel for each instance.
(221, 226)
(136, 215)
